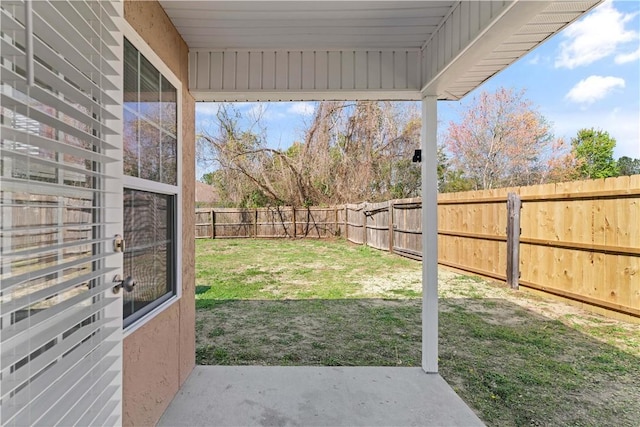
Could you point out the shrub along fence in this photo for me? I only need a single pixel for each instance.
(578, 240)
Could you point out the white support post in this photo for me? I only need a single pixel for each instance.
(429, 235)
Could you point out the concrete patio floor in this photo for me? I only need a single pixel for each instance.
(316, 396)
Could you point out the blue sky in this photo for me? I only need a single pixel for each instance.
(586, 76)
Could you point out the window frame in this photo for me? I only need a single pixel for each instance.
(141, 184)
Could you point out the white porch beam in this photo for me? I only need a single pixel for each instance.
(429, 234)
(300, 95)
(283, 75)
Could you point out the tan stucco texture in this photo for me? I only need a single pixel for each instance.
(159, 356)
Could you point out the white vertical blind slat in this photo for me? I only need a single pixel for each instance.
(73, 93)
(54, 383)
(68, 225)
(19, 135)
(70, 11)
(23, 349)
(28, 253)
(23, 155)
(26, 186)
(9, 283)
(82, 53)
(63, 64)
(45, 293)
(20, 376)
(78, 405)
(96, 377)
(102, 400)
(104, 417)
(19, 83)
(20, 332)
(22, 108)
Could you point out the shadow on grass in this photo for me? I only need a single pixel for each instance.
(202, 289)
(512, 366)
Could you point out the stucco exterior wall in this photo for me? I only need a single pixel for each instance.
(159, 356)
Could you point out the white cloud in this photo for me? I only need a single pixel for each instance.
(535, 60)
(302, 108)
(623, 58)
(207, 108)
(598, 35)
(594, 88)
(206, 120)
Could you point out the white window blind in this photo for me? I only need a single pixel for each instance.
(60, 203)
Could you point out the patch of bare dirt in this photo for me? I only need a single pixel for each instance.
(383, 286)
(474, 291)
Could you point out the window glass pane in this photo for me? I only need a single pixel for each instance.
(169, 160)
(149, 145)
(130, 76)
(149, 90)
(150, 121)
(130, 144)
(149, 255)
(169, 107)
(148, 267)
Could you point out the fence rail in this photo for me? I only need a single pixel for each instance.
(578, 240)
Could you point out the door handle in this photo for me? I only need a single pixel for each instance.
(128, 283)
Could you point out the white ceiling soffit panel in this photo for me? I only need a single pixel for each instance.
(301, 50)
(306, 25)
(522, 27)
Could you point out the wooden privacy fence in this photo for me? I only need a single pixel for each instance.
(394, 226)
(267, 222)
(579, 240)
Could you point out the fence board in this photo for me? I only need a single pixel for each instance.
(407, 227)
(274, 222)
(377, 224)
(203, 223)
(316, 222)
(232, 222)
(355, 223)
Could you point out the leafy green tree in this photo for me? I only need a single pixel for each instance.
(406, 179)
(207, 178)
(256, 199)
(456, 181)
(450, 179)
(628, 166)
(594, 154)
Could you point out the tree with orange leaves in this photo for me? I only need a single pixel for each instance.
(502, 140)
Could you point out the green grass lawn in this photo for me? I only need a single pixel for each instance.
(514, 358)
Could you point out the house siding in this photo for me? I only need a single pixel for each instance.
(159, 356)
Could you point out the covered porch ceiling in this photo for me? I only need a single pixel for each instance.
(302, 50)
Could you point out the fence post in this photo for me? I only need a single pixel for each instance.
(514, 204)
(293, 215)
(213, 224)
(391, 226)
(255, 224)
(335, 227)
(346, 222)
(364, 225)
